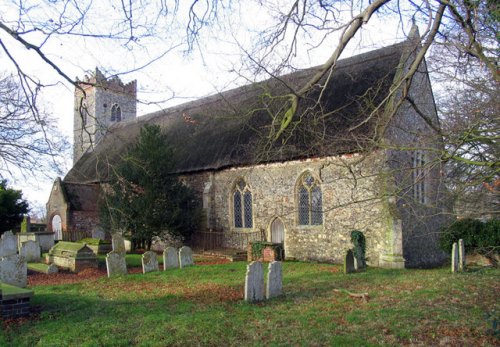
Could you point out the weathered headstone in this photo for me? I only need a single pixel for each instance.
(349, 262)
(170, 258)
(116, 264)
(274, 284)
(14, 270)
(461, 255)
(8, 244)
(149, 262)
(98, 233)
(30, 250)
(118, 243)
(185, 257)
(52, 269)
(254, 282)
(454, 257)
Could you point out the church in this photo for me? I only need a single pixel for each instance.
(353, 157)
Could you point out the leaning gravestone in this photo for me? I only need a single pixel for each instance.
(274, 285)
(30, 250)
(118, 243)
(185, 257)
(461, 255)
(349, 262)
(149, 262)
(14, 270)
(254, 282)
(116, 264)
(170, 258)
(454, 258)
(8, 244)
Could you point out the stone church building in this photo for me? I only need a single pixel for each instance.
(344, 163)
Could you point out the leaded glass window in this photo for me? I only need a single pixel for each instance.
(310, 201)
(116, 113)
(242, 205)
(418, 175)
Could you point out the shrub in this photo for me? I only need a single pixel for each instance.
(482, 237)
(358, 239)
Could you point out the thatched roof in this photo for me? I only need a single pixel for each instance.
(233, 128)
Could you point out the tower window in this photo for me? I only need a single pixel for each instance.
(116, 113)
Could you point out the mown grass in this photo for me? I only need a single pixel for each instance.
(203, 305)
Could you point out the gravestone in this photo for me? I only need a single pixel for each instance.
(185, 257)
(349, 262)
(30, 250)
(274, 285)
(98, 233)
(454, 258)
(14, 270)
(170, 258)
(52, 269)
(461, 255)
(149, 262)
(254, 282)
(116, 264)
(118, 243)
(8, 244)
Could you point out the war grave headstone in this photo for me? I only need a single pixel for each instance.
(116, 264)
(185, 257)
(170, 258)
(149, 262)
(31, 251)
(274, 284)
(349, 262)
(254, 282)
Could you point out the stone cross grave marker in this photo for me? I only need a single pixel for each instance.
(274, 284)
(149, 262)
(14, 270)
(185, 257)
(349, 262)
(170, 258)
(116, 264)
(454, 258)
(461, 255)
(118, 243)
(30, 250)
(8, 244)
(254, 282)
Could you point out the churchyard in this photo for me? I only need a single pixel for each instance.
(204, 305)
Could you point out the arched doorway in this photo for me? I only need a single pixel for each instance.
(277, 231)
(57, 227)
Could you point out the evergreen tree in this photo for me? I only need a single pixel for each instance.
(144, 199)
(12, 207)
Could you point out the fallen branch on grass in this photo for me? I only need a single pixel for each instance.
(363, 296)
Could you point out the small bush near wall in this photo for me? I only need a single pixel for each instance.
(265, 251)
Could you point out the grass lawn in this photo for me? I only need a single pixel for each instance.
(202, 305)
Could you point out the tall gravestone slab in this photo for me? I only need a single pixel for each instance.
(149, 262)
(254, 282)
(349, 262)
(274, 286)
(116, 264)
(185, 257)
(14, 270)
(118, 243)
(170, 258)
(31, 251)
(461, 255)
(8, 244)
(454, 258)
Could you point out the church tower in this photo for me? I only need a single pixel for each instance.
(99, 103)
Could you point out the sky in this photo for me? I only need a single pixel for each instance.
(217, 63)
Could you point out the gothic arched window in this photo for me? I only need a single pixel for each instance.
(310, 200)
(116, 113)
(242, 205)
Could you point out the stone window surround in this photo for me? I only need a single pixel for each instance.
(116, 113)
(419, 176)
(318, 182)
(231, 206)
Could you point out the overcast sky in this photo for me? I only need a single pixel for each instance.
(177, 77)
